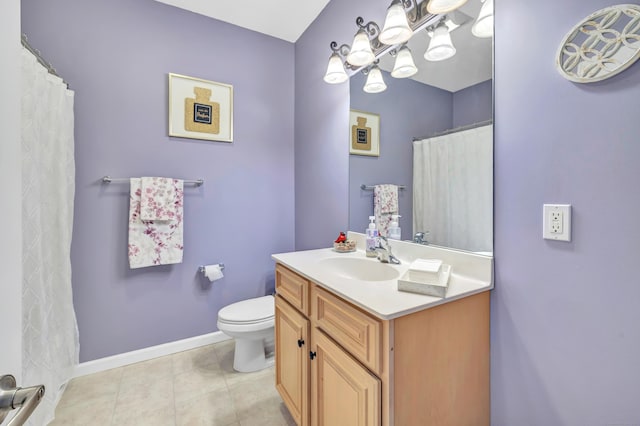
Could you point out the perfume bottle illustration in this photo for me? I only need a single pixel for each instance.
(200, 114)
(361, 135)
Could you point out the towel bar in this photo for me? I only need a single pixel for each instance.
(371, 187)
(109, 179)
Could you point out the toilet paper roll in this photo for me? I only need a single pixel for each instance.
(213, 272)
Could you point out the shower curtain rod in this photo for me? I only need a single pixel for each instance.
(455, 130)
(40, 59)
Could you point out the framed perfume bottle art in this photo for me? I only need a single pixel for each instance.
(364, 133)
(200, 109)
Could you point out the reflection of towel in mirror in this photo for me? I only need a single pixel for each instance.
(385, 204)
(156, 242)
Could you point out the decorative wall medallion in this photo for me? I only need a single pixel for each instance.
(602, 45)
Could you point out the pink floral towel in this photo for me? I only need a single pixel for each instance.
(157, 198)
(155, 242)
(385, 204)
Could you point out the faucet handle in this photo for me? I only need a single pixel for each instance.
(419, 237)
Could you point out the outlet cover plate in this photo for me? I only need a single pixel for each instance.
(556, 222)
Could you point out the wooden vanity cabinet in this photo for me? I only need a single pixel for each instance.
(337, 365)
(292, 360)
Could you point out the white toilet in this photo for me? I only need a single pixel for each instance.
(251, 323)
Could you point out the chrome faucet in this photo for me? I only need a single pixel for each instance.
(419, 238)
(384, 252)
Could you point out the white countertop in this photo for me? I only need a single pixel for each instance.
(471, 274)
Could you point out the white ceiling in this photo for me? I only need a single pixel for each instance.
(284, 19)
(472, 63)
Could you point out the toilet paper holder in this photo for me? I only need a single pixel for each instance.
(201, 268)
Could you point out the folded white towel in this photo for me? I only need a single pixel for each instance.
(157, 198)
(426, 265)
(425, 270)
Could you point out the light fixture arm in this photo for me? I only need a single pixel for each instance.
(394, 52)
(413, 11)
(365, 70)
(372, 29)
(343, 50)
(441, 21)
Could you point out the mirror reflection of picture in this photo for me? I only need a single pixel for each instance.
(364, 133)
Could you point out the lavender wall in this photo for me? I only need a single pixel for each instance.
(322, 120)
(473, 104)
(116, 55)
(407, 109)
(565, 335)
(565, 340)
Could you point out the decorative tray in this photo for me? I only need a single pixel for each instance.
(433, 288)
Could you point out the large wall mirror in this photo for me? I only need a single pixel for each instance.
(435, 140)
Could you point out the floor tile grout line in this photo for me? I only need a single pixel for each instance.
(115, 402)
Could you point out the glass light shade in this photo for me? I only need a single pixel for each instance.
(375, 83)
(483, 27)
(360, 54)
(396, 28)
(335, 70)
(440, 47)
(444, 6)
(404, 66)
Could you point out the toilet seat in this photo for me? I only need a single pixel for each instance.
(250, 311)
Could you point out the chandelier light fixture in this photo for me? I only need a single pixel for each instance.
(403, 19)
(396, 27)
(404, 66)
(375, 83)
(440, 46)
(361, 53)
(335, 70)
(483, 27)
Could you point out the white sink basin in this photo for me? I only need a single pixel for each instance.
(360, 269)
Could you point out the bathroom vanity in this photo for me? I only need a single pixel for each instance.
(353, 350)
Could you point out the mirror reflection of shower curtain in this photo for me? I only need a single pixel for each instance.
(453, 189)
(49, 331)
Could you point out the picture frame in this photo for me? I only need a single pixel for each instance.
(364, 133)
(200, 109)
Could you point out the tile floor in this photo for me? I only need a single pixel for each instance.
(196, 387)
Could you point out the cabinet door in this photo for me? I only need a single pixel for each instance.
(292, 360)
(343, 392)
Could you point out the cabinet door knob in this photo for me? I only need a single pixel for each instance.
(300, 343)
(312, 355)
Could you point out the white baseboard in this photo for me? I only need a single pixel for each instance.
(146, 354)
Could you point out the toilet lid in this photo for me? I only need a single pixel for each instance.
(250, 310)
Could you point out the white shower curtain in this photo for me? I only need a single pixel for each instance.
(49, 329)
(453, 189)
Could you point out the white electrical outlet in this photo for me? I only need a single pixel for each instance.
(556, 222)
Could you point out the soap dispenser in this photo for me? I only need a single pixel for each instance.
(394, 228)
(372, 238)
